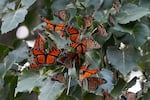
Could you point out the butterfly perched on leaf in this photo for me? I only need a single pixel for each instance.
(87, 21)
(94, 82)
(73, 32)
(53, 27)
(68, 58)
(84, 72)
(59, 77)
(101, 31)
(85, 45)
(62, 14)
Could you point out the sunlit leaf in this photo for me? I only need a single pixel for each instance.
(131, 12)
(13, 57)
(28, 80)
(27, 3)
(123, 60)
(94, 58)
(51, 90)
(12, 19)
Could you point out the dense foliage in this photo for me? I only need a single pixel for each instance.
(124, 37)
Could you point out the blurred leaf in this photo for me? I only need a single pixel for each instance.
(29, 80)
(146, 47)
(11, 81)
(4, 50)
(107, 4)
(94, 58)
(123, 60)
(3, 91)
(147, 95)
(108, 76)
(62, 4)
(131, 12)
(79, 21)
(2, 5)
(144, 63)
(51, 90)
(117, 91)
(91, 96)
(27, 96)
(13, 57)
(144, 3)
(27, 3)
(63, 96)
(138, 33)
(11, 5)
(131, 83)
(12, 19)
(77, 92)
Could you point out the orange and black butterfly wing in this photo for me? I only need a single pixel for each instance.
(74, 34)
(85, 73)
(59, 77)
(50, 25)
(68, 59)
(52, 54)
(34, 64)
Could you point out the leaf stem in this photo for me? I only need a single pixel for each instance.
(68, 88)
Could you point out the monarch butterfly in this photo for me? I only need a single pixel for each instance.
(86, 44)
(68, 58)
(85, 73)
(61, 14)
(87, 20)
(52, 27)
(38, 47)
(101, 31)
(47, 58)
(34, 64)
(74, 33)
(94, 82)
(52, 54)
(59, 77)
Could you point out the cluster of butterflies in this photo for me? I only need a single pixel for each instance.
(42, 56)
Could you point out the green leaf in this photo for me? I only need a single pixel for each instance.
(11, 5)
(131, 83)
(131, 12)
(51, 90)
(2, 4)
(138, 33)
(11, 81)
(12, 19)
(4, 50)
(144, 63)
(118, 88)
(27, 3)
(13, 57)
(29, 80)
(91, 96)
(63, 96)
(94, 58)
(123, 60)
(144, 3)
(147, 95)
